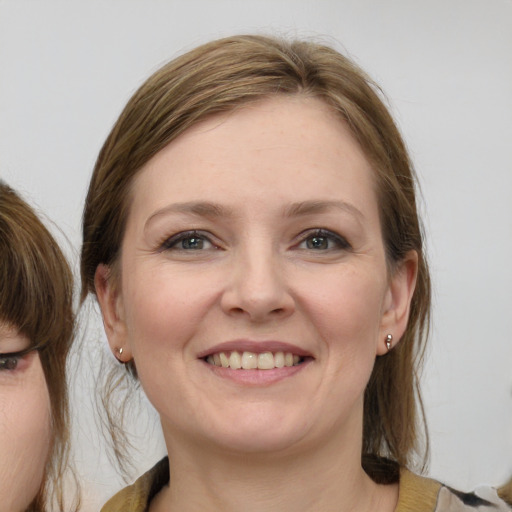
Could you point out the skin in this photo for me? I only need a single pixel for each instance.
(24, 425)
(276, 172)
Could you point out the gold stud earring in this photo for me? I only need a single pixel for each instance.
(389, 339)
(119, 353)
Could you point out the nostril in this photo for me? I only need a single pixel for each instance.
(256, 302)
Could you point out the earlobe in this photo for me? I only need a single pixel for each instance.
(397, 303)
(107, 292)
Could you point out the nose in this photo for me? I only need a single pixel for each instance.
(257, 288)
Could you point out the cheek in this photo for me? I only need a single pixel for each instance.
(347, 315)
(348, 308)
(163, 308)
(24, 437)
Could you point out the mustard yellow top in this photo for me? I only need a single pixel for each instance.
(416, 494)
(505, 492)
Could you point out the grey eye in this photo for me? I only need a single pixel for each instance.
(193, 243)
(323, 240)
(317, 242)
(188, 241)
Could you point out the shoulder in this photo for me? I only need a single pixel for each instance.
(420, 494)
(416, 493)
(505, 492)
(136, 497)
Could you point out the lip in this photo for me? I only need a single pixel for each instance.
(260, 378)
(244, 345)
(255, 377)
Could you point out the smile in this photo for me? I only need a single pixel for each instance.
(253, 361)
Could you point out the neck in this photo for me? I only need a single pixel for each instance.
(324, 477)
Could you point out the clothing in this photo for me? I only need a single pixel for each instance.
(505, 492)
(416, 494)
(137, 497)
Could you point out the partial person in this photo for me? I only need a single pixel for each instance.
(506, 492)
(252, 237)
(37, 324)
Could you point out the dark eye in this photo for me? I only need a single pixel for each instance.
(8, 363)
(322, 240)
(188, 241)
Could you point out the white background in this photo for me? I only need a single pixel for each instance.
(68, 67)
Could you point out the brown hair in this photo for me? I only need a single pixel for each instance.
(223, 75)
(37, 299)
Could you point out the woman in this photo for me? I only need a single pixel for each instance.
(252, 238)
(36, 331)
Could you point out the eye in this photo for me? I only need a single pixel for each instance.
(188, 241)
(12, 360)
(323, 240)
(9, 362)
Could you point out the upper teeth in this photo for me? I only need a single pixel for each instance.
(252, 360)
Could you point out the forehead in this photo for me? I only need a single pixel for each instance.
(10, 334)
(258, 162)
(298, 132)
(7, 331)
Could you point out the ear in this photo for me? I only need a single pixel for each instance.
(397, 302)
(109, 299)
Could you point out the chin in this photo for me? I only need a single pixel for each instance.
(258, 445)
(258, 435)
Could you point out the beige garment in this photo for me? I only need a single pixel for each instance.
(416, 494)
(505, 492)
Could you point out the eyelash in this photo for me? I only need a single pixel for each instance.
(9, 362)
(339, 241)
(172, 242)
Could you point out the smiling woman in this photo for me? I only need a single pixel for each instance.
(36, 331)
(251, 235)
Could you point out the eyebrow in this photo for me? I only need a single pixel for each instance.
(313, 207)
(214, 210)
(200, 209)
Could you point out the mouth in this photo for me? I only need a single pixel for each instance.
(256, 355)
(247, 360)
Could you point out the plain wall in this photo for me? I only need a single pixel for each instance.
(68, 67)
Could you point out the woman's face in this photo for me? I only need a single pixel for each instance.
(254, 239)
(24, 423)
